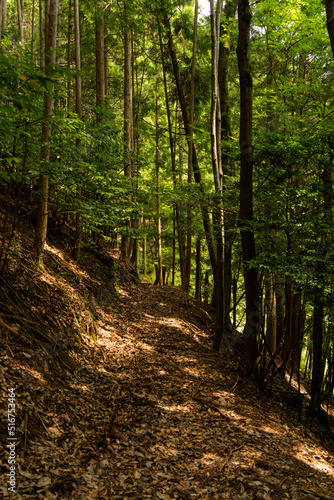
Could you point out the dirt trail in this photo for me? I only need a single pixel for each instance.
(148, 411)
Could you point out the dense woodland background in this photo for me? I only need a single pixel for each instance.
(202, 147)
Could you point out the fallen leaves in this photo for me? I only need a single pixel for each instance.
(146, 411)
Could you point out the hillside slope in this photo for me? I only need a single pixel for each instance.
(118, 395)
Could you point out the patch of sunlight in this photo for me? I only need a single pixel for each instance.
(54, 250)
(123, 293)
(47, 278)
(309, 458)
(175, 408)
(149, 316)
(223, 394)
(144, 346)
(74, 268)
(209, 458)
(192, 371)
(269, 430)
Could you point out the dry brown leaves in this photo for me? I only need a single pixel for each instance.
(145, 410)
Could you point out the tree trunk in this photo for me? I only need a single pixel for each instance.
(318, 306)
(128, 128)
(198, 290)
(41, 38)
(329, 4)
(196, 170)
(51, 11)
(68, 54)
(78, 109)
(215, 15)
(318, 314)
(173, 161)
(32, 28)
(20, 19)
(226, 141)
(157, 163)
(99, 40)
(270, 306)
(105, 62)
(186, 283)
(3, 16)
(253, 315)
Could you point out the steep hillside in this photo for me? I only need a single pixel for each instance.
(119, 396)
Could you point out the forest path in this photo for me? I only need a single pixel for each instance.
(148, 411)
(186, 425)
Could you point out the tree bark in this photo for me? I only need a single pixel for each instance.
(198, 290)
(215, 15)
(187, 273)
(100, 70)
(329, 5)
(3, 14)
(270, 307)
(51, 12)
(157, 164)
(20, 19)
(253, 314)
(318, 305)
(78, 109)
(226, 141)
(317, 338)
(41, 38)
(176, 220)
(196, 170)
(128, 127)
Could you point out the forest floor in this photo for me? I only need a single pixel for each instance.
(119, 396)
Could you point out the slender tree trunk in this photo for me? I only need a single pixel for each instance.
(1, 1)
(51, 13)
(287, 338)
(68, 54)
(174, 247)
(78, 109)
(317, 338)
(32, 28)
(41, 38)
(253, 314)
(198, 291)
(3, 16)
(157, 164)
(187, 273)
(100, 73)
(20, 19)
(182, 237)
(226, 142)
(173, 161)
(329, 5)
(106, 62)
(234, 293)
(270, 307)
(144, 256)
(128, 127)
(215, 15)
(196, 170)
(318, 305)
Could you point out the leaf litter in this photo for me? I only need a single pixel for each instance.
(119, 396)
